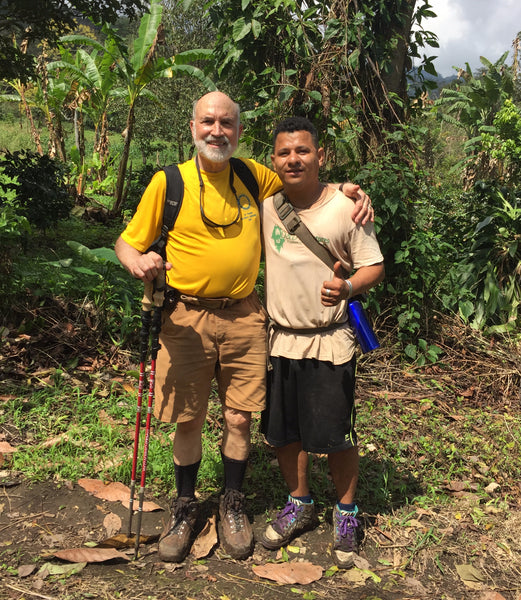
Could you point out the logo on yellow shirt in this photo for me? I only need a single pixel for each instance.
(248, 213)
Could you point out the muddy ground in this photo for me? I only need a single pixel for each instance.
(36, 521)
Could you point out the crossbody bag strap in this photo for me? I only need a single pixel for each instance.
(294, 225)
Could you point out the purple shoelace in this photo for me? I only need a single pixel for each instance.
(346, 527)
(287, 515)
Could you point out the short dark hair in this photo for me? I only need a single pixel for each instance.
(291, 124)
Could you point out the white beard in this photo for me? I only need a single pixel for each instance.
(218, 155)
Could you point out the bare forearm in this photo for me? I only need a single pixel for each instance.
(139, 265)
(366, 278)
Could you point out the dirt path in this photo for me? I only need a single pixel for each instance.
(433, 554)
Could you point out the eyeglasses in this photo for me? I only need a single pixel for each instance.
(205, 219)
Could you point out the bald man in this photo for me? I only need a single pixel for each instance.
(215, 327)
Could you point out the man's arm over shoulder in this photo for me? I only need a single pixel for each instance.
(363, 211)
(268, 180)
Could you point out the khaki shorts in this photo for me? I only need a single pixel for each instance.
(198, 345)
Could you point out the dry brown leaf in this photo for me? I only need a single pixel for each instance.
(456, 417)
(289, 572)
(124, 541)
(467, 393)
(355, 576)
(63, 437)
(470, 576)
(492, 487)
(105, 418)
(206, 540)
(457, 486)
(491, 595)
(114, 492)
(147, 505)
(416, 586)
(25, 570)
(129, 388)
(112, 524)
(416, 524)
(90, 555)
(6, 448)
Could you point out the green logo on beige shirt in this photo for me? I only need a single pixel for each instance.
(278, 236)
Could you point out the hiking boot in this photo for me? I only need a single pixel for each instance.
(295, 518)
(235, 530)
(345, 544)
(176, 539)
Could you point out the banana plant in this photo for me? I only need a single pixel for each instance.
(135, 68)
(138, 69)
(92, 82)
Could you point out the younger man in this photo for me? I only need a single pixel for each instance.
(311, 386)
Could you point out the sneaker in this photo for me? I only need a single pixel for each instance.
(236, 533)
(295, 518)
(176, 539)
(345, 544)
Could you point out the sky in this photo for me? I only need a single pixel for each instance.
(468, 29)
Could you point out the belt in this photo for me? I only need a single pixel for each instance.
(310, 330)
(209, 303)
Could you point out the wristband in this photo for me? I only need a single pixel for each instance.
(350, 286)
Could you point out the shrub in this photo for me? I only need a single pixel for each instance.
(41, 195)
(14, 227)
(490, 272)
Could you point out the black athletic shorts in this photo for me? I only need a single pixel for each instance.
(311, 401)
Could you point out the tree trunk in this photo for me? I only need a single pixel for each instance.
(394, 77)
(79, 133)
(180, 148)
(380, 113)
(60, 138)
(34, 132)
(122, 171)
(102, 146)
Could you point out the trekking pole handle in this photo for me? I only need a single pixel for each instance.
(154, 292)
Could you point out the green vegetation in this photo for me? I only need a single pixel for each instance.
(67, 433)
(447, 206)
(82, 133)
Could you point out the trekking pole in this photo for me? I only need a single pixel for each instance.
(153, 301)
(146, 318)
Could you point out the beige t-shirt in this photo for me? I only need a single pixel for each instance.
(294, 277)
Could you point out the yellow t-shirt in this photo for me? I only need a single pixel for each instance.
(207, 261)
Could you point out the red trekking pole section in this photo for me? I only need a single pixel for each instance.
(151, 326)
(146, 317)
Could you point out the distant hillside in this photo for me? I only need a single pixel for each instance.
(441, 82)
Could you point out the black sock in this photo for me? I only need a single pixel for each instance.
(185, 478)
(234, 471)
